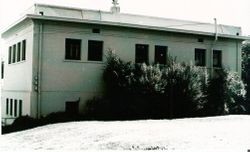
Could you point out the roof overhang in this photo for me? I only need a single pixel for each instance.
(119, 24)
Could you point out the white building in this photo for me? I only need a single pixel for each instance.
(56, 54)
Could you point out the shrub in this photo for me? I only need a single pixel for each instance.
(21, 123)
(225, 94)
(136, 91)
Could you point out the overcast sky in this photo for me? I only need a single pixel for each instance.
(229, 12)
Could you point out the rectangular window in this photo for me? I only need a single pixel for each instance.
(11, 106)
(7, 106)
(217, 58)
(10, 54)
(14, 54)
(24, 50)
(2, 70)
(18, 51)
(200, 57)
(95, 49)
(160, 54)
(15, 108)
(141, 53)
(20, 107)
(73, 49)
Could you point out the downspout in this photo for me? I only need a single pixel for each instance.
(213, 44)
(237, 57)
(39, 72)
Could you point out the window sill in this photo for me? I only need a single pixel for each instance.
(80, 61)
(19, 62)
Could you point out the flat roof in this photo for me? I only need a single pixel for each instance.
(79, 15)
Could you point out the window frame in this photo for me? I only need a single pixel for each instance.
(159, 48)
(14, 54)
(138, 55)
(15, 108)
(20, 107)
(11, 107)
(202, 62)
(23, 50)
(73, 49)
(18, 51)
(10, 55)
(219, 65)
(95, 50)
(7, 106)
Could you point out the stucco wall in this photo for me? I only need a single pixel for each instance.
(64, 80)
(17, 83)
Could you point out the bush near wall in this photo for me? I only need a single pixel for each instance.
(140, 91)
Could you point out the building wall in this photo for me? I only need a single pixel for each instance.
(64, 80)
(18, 76)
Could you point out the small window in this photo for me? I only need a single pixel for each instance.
(7, 106)
(200, 57)
(217, 58)
(24, 50)
(95, 50)
(200, 40)
(20, 107)
(10, 53)
(11, 106)
(141, 53)
(95, 30)
(14, 54)
(18, 51)
(160, 54)
(2, 70)
(73, 49)
(15, 107)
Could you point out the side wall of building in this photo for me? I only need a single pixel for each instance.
(17, 83)
(67, 80)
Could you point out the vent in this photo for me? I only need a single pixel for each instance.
(96, 30)
(200, 40)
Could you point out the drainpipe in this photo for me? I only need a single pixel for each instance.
(39, 73)
(213, 44)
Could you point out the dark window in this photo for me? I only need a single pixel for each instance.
(72, 107)
(10, 53)
(200, 57)
(18, 51)
(217, 58)
(24, 50)
(7, 106)
(160, 54)
(200, 40)
(95, 30)
(20, 107)
(95, 50)
(11, 106)
(2, 70)
(73, 49)
(14, 54)
(141, 53)
(15, 108)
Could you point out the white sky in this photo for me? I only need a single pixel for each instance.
(229, 12)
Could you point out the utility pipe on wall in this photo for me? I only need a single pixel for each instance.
(39, 72)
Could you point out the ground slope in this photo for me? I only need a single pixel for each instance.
(227, 133)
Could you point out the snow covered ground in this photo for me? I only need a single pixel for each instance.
(227, 133)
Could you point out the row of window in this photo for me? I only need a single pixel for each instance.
(17, 52)
(95, 53)
(14, 107)
(200, 57)
(73, 50)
